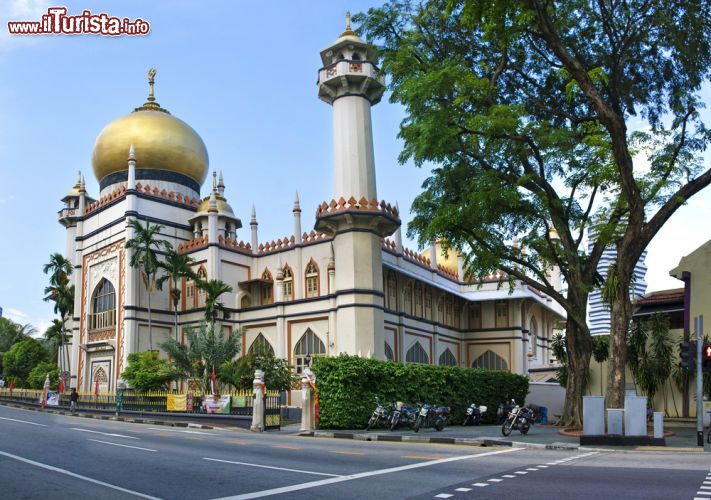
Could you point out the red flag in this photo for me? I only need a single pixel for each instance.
(10, 386)
(61, 385)
(214, 388)
(96, 387)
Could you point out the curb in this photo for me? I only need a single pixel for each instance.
(132, 420)
(483, 442)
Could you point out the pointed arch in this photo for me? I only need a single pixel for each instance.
(392, 291)
(533, 340)
(261, 346)
(103, 306)
(312, 281)
(389, 354)
(417, 354)
(288, 274)
(419, 312)
(267, 287)
(407, 298)
(308, 345)
(200, 294)
(447, 358)
(490, 361)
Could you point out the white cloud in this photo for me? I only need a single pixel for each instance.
(21, 317)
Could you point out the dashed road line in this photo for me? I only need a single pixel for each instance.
(480, 485)
(443, 495)
(23, 421)
(495, 480)
(271, 467)
(180, 431)
(121, 445)
(463, 489)
(520, 472)
(287, 447)
(345, 452)
(103, 433)
(421, 457)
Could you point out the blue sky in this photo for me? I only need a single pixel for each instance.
(243, 75)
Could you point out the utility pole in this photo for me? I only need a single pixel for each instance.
(699, 329)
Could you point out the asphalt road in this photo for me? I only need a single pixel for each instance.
(52, 456)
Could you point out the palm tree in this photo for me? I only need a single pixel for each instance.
(55, 336)
(213, 289)
(143, 257)
(176, 266)
(601, 352)
(61, 293)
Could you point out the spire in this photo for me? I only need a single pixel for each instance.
(131, 153)
(253, 221)
(297, 219)
(255, 234)
(151, 104)
(349, 31)
(214, 181)
(297, 207)
(221, 185)
(131, 181)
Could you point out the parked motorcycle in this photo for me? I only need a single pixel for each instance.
(381, 416)
(520, 418)
(431, 416)
(474, 414)
(503, 411)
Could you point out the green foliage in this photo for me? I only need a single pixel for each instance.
(22, 357)
(651, 355)
(559, 346)
(213, 290)
(205, 348)
(176, 266)
(278, 375)
(147, 372)
(10, 334)
(38, 374)
(348, 386)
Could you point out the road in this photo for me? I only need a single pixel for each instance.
(53, 456)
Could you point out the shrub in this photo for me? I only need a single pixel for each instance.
(146, 372)
(348, 385)
(22, 357)
(278, 375)
(36, 378)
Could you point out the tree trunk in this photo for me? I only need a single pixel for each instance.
(150, 335)
(621, 316)
(579, 353)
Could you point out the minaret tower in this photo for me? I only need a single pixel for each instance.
(349, 82)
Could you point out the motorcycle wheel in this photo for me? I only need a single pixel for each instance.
(466, 420)
(439, 425)
(393, 423)
(477, 421)
(371, 423)
(418, 423)
(506, 428)
(525, 427)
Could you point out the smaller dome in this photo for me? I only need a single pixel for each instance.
(222, 205)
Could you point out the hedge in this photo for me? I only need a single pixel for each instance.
(348, 387)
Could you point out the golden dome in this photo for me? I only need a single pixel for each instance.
(222, 205)
(161, 141)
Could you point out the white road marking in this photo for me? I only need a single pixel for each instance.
(703, 493)
(480, 485)
(179, 430)
(532, 468)
(103, 433)
(707, 482)
(508, 476)
(121, 445)
(462, 489)
(324, 482)
(705, 487)
(542, 466)
(520, 472)
(496, 480)
(443, 495)
(23, 421)
(272, 467)
(72, 474)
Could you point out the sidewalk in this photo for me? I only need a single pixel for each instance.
(540, 436)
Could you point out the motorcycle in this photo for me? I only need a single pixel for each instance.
(380, 416)
(520, 418)
(503, 411)
(474, 414)
(431, 416)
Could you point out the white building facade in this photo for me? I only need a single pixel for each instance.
(347, 285)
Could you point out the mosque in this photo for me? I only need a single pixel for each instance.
(347, 285)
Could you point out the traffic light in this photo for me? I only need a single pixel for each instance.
(706, 357)
(687, 354)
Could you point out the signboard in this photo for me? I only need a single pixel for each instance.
(52, 398)
(177, 402)
(216, 404)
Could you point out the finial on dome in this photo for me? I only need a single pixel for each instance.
(150, 104)
(254, 215)
(151, 80)
(349, 31)
(78, 177)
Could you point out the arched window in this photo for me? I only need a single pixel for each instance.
(392, 291)
(309, 344)
(408, 298)
(502, 313)
(267, 287)
(355, 56)
(202, 276)
(417, 354)
(490, 361)
(288, 283)
(389, 354)
(533, 341)
(447, 358)
(475, 315)
(245, 302)
(418, 299)
(103, 306)
(261, 347)
(311, 275)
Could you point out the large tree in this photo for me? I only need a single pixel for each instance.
(523, 106)
(144, 246)
(213, 305)
(61, 293)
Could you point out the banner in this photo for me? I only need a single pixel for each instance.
(219, 404)
(239, 401)
(52, 398)
(177, 402)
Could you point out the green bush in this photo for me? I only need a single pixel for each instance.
(22, 357)
(348, 385)
(147, 372)
(36, 378)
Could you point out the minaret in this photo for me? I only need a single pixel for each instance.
(349, 82)
(297, 219)
(253, 226)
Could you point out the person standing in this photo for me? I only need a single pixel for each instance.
(73, 398)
